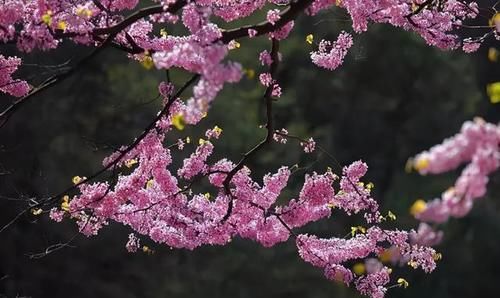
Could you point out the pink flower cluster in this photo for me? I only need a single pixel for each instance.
(273, 16)
(154, 196)
(309, 146)
(434, 24)
(331, 55)
(331, 253)
(45, 24)
(9, 85)
(354, 196)
(478, 146)
(156, 203)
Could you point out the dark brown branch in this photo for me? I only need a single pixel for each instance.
(164, 112)
(151, 126)
(131, 19)
(138, 15)
(52, 81)
(112, 32)
(269, 126)
(287, 15)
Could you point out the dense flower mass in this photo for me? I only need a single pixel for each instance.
(331, 55)
(9, 85)
(155, 198)
(478, 147)
(45, 24)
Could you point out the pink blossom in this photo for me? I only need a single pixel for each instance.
(56, 214)
(273, 16)
(280, 136)
(471, 47)
(9, 85)
(276, 91)
(266, 79)
(265, 58)
(478, 145)
(331, 55)
(133, 243)
(308, 146)
(252, 33)
(153, 195)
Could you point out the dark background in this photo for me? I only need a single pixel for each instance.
(393, 97)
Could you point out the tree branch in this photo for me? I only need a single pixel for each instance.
(123, 153)
(112, 32)
(269, 126)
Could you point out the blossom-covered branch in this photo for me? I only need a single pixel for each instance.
(155, 198)
(478, 147)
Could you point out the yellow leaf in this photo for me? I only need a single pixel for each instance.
(310, 38)
(370, 186)
(493, 91)
(385, 256)
(150, 183)
(47, 18)
(359, 229)
(65, 203)
(250, 73)
(403, 283)
(178, 121)
(83, 12)
(147, 250)
(494, 20)
(359, 268)
(217, 130)
(413, 264)
(233, 44)
(418, 207)
(130, 163)
(493, 54)
(409, 165)
(61, 25)
(36, 211)
(437, 256)
(421, 164)
(147, 62)
(76, 179)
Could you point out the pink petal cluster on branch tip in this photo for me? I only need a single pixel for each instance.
(9, 85)
(157, 204)
(478, 146)
(329, 254)
(273, 16)
(331, 55)
(45, 24)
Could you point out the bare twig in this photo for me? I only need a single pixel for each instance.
(269, 126)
